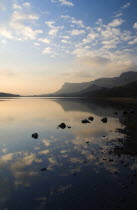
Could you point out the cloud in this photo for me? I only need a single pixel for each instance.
(135, 25)
(54, 29)
(73, 20)
(63, 2)
(134, 41)
(16, 6)
(77, 32)
(67, 3)
(110, 33)
(26, 4)
(126, 5)
(118, 14)
(65, 41)
(23, 30)
(116, 22)
(91, 37)
(44, 40)
(5, 32)
(47, 50)
(36, 44)
(65, 37)
(17, 16)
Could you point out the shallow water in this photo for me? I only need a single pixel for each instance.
(79, 175)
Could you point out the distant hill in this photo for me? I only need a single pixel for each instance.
(123, 79)
(8, 95)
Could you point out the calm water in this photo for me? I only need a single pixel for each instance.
(79, 175)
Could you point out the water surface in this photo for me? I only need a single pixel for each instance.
(80, 172)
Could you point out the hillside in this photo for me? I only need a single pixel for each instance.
(123, 79)
(8, 95)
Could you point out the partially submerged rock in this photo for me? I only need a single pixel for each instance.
(115, 113)
(91, 118)
(62, 125)
(35, 135)
(104, 120)
(43, 169)
(85, 121)
(125, 112)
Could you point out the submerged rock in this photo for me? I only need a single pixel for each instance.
(104, 120)
(35, 135)
(62, 125)
(85, 121)
(91, 118)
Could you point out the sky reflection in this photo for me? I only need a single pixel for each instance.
(75, 158)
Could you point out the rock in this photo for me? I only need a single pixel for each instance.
(35, 135)
(87, 142)
(104, 120)
(85, 121)
(125, 112)
(62, 125)
(91, 118)
(43, 169)
(115, 113)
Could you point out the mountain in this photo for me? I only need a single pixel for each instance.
(123, 79)
(8, 95)
(128, 90)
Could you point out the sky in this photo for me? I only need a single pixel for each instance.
(46, 43)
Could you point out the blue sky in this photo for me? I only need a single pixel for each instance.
(46, 43)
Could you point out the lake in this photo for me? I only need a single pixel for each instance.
(81, 171)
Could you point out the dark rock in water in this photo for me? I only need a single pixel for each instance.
(43, 169)
(87, 142)
(91, 118)
(125, 112)
(74, 174)
(35, 135)
(115, 113)
(62, 125)
(116, 172)
(104, 120)
(69, 127)
(85, 121)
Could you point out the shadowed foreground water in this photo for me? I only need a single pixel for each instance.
(81, 172)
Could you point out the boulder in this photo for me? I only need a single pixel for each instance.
(85, 121)
(91, 118)
(43, 169)
(62, 125)
(35, 135)
(104, 120)
(125, 113)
